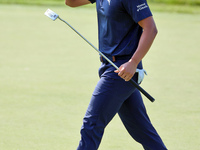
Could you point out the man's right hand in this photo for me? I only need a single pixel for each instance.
(76, 3)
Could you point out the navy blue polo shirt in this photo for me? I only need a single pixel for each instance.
(118, 28)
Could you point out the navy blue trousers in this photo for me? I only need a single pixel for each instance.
(113, 95)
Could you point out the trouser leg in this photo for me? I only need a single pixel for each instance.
(106, 101)
(135, 119)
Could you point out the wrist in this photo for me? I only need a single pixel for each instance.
(134, 61)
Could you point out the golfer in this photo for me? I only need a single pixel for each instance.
(126, 32)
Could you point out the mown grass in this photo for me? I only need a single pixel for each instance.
(35, 2)
(185, 2)
(182, 2)
(47, 75)
(175, 8)
(180, 6)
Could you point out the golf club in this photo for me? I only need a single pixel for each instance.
(53, 16)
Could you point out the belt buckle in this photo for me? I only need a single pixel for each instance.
(102, 59)
(113, 58)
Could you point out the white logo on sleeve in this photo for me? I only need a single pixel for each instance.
(141, 7)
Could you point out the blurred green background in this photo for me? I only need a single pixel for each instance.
(183, 6)
(48, 73)
(188, 2)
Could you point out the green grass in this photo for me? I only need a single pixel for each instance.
(180, 6)
(35, 2)
(175, 8)
(182, 2)
(47, 75)
(185, 2)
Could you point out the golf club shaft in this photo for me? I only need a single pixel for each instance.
(132, 81)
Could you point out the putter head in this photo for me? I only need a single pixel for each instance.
(52, 15)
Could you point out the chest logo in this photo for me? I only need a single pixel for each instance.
(109, 1)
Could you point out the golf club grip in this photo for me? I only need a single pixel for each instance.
(142, 90)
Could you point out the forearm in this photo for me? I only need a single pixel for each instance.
(144, 45)
(76, 3)
(146, 39)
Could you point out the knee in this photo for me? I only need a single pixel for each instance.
(91, 133)
(91, 127)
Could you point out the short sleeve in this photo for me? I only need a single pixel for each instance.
(92, 1)
(138, 9)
